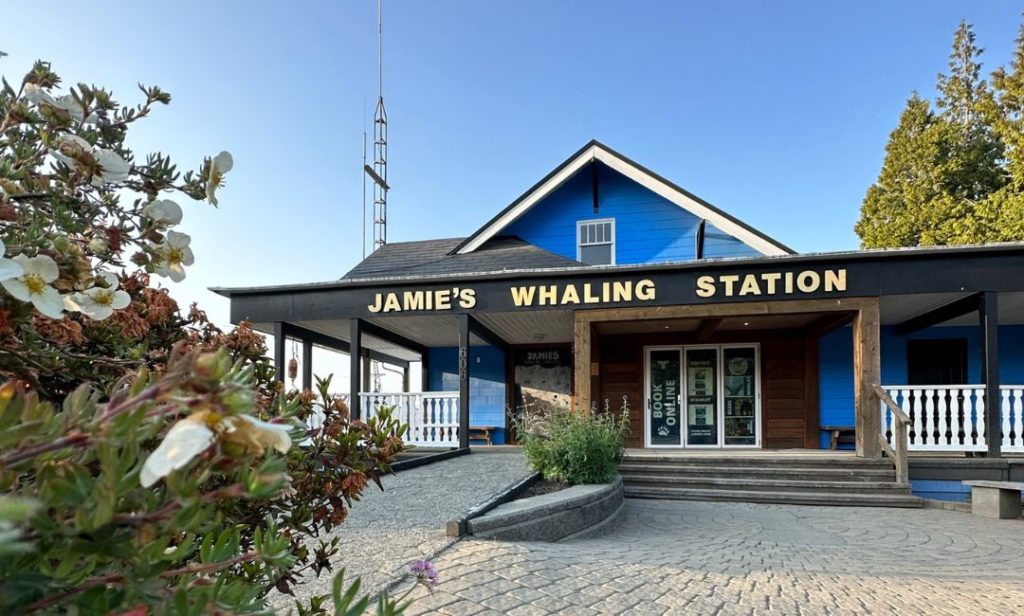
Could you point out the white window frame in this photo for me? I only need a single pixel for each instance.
(579, 240)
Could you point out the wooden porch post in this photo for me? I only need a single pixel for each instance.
(988, 316)
(355, 356)
(867, 372)
(463, 381)
(581, 362)
(279, 343)
(406, 380)
(307, 364)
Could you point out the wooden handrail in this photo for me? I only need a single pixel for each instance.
(893, 406)
(898, 450)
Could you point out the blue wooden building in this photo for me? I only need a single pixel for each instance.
(605, 283)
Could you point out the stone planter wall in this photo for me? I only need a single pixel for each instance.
(554, 516)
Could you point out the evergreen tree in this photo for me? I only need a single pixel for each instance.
(894, 210)
(1002, 215)
(939, 166)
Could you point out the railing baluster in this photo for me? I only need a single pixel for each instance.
(1004, 415)
(944, 421)
(1018, 425)
(432, 417)
(908, 406)
(979, 413)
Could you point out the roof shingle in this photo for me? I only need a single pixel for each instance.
(432, 257)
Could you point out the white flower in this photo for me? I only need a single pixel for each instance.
(185, 440)
(172, 255)
(265, 435)
(66, 103)
(33, 284)
(164, 212)
(9, 268)
(113, 168)
(194, 434)
(100, 302)
(38, 95)
(221, 164)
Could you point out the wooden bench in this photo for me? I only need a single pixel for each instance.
(996, 499)
(845, 435)
(483, 433)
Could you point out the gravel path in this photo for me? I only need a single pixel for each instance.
(388, 530)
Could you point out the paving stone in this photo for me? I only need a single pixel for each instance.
(733, 558)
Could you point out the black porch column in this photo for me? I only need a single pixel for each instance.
(355, 354)
(988, 313)
(406, 385)
(279, 340)
(307, 364)
(463, 381)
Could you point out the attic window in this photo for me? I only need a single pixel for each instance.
(595, 243)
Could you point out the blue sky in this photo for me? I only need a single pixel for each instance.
(776, 112)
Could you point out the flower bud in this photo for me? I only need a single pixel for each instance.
(61, 243)
(212, 366)
(98, 245)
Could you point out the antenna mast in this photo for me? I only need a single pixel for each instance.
(379, 172)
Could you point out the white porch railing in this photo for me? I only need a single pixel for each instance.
(952, 417)
(432, 416)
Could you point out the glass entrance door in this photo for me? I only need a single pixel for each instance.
(663, 403)
(739, 424)
(703, 396)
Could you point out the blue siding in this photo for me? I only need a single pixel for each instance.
(835, 385)
(648, 228)
(938, 489)
(486, 383)
(835, 380)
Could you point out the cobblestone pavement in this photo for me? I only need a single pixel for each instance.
(386, 531)
(673, 557)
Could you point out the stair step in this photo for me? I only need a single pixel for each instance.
(824, 473)
(780, 485)
(760, 461)
(786, 498)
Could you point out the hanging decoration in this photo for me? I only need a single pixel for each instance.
(293, 363)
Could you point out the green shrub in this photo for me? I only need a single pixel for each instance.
(576, 447)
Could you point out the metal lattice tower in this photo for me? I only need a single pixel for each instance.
(379, 172)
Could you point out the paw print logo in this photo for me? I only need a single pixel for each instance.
(663, 431)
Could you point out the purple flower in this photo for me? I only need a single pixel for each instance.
(425, 572)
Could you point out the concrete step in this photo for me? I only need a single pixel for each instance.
(765, 485)
(774, 472)
(796, 461)
(784, 498)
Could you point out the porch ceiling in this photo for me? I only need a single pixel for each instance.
(898, 308)
(545, 327)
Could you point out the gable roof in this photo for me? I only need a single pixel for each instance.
(596, 150)
(433, 257)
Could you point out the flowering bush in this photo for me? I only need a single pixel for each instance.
(576, 447)
(147, 459)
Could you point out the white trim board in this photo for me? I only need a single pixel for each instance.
(640, 176)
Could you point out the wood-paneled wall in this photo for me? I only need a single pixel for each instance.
(789, 381)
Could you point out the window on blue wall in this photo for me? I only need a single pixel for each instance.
(596, 241)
